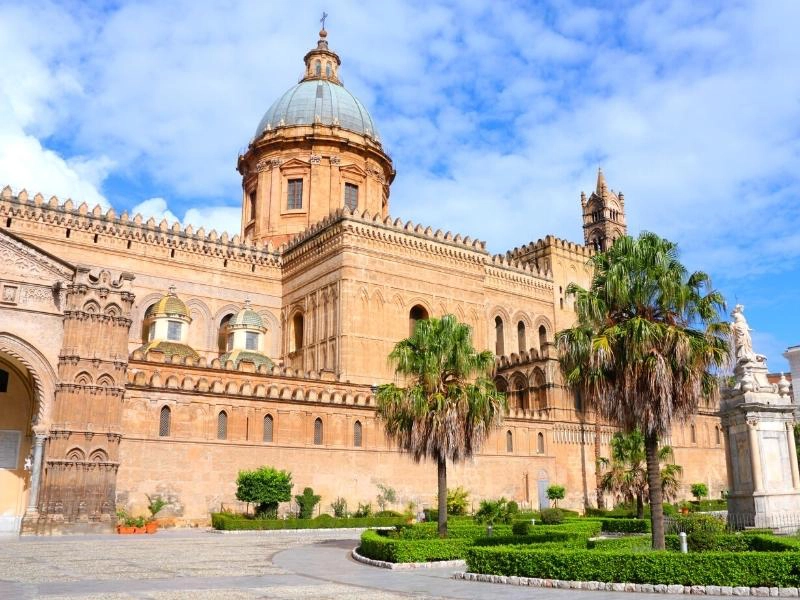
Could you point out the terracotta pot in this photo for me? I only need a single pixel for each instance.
(684, 511)
(125, 530)
(151, 526)
(139, 530)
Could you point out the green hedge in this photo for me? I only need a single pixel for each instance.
(589, 527)
(564, 539)
(229, 522)
(379, 547)
(625, 525)
(702, 568)
(633, 543)
(468, 530)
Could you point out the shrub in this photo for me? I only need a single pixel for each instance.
(496, 511)
(386, 496)
(699, 491)
(264, 487)
(380, 547)
(306, 502)
(638, 543)
(552, 516)
(227, 522)
(339, 507)
(457, 501)
(584, 527)
(625, 525)
(752, 569)
(364, 510)
(389, 513)
(456, 529)
(556, 493)
(154, 505)
(698, 522)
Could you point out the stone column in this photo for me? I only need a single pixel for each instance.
(733, 478)
(755, 457)
(793, 456)
(36, 471)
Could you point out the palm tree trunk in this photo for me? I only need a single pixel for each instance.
(639, 506)
(598, 478)
(442, 474)
(654, 484)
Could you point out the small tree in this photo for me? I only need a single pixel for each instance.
(339, 507)
(306, 502)
(496, 511)
(699, 491)
(264, 487)
(457, 501)
(386, 496)
(556, 493)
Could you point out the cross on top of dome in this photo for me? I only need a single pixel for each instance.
(321, 62)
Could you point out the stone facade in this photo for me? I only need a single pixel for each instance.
(109, 407)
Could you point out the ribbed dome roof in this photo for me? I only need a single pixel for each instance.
(169, 304)
(169, 348)
(318, 101)
(247, 317)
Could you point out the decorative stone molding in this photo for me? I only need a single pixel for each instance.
(41, 372)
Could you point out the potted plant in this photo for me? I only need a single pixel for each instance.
(154, 506)
(125, 523)
(684, 508)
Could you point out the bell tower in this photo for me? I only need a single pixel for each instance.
(603, 215)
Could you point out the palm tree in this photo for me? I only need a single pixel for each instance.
(626, 471)
(647, 341)
(450, 404)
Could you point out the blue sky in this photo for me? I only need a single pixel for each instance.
(496, 114)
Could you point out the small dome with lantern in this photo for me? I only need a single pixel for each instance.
(245, 333)
(167, 325)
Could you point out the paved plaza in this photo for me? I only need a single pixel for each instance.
(197, 564)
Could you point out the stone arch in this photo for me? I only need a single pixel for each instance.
(137, 314)
(105, 380)
(522, 330)
(76, 455)
(519, 394)
(538, 382)
(92, 307)
(200, 334)
(539, 322)
(84, 378)
(217, 342)
(41, 373)
(98, 455)
(273, 326)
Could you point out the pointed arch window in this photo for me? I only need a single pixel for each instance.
(509, 442)
(521, 337)
(693, 434)
(717, 435)
(297, 331)
(268, 427)
(498, 336)
(164, 421)
(540, 443)
(318, 68)
(222, 425)
(357, 434)
(328, 69)
(3, 381)
(542, 337)
(318, 432)
(417, 313)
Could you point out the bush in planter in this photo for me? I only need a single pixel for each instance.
(699, 491)
(306, 503)
(264, 487)
(552, 516)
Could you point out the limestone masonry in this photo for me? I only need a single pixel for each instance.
(146, 358)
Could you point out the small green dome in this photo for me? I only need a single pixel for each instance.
(168, 305)
(239, 355)
(169, 348)
(247, 317)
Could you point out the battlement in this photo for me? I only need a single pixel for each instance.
(550, 242)
(512, 263)
(134, 227)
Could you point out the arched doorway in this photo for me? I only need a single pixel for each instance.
(17, 410)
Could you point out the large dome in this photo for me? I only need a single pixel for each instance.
(318, 101)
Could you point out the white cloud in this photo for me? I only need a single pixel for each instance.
(156, 208)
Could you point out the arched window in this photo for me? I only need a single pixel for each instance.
(521, 337)
(318, 68)
(417, 313)
(164, 421)
(297, 332)
(717, 435)
(540, 389)
(693, 434)
(222, 425)
(351, 196)
(268, 424)
(357, 433)
(229, 345)
(509, 441)
(318, 431)
(148, 326)
(498, 336)
(542, 337)
(222, 335)
(519, 393)
(328, 69)
(540, 443)
(3, 381)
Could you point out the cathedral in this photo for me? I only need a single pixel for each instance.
(140, 358)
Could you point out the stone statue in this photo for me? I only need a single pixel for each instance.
(742, 342)
(28, 462)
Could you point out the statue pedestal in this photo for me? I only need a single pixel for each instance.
(758, 421)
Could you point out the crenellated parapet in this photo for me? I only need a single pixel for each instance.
(105, 223)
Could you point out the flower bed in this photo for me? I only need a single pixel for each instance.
(228, 522)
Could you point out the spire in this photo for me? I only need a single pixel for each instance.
(601, 182)
(322, 62)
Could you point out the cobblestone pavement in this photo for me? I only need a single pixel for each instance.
(200, 565)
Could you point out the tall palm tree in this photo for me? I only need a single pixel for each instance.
(450, 405)
(625, 473)
(647, 341)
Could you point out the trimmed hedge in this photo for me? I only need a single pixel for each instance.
(425, 531)
(379, 547)
(227, 522)
(752, 569)
(563, 539)
(626, 525)
(589, 527)
(633, 543)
